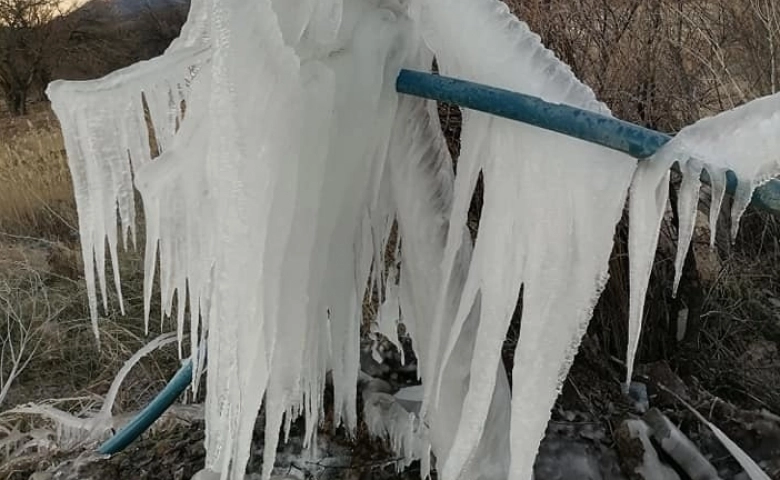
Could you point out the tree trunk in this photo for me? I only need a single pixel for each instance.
(16, 98)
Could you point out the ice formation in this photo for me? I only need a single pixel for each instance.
(278, 160)
(743, 141)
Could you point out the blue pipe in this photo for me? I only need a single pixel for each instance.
(575, 122)
(637, 141)
(152, 412)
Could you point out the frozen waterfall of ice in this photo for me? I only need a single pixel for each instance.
(279, 159)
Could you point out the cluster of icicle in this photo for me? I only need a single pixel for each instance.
(285, 159)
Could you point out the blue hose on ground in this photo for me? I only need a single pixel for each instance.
(637, 141)
(152, 412)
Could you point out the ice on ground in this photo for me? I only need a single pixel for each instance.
(411, 397)
(651, 468)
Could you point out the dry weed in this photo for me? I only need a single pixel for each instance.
(36, 196)
(44, 303)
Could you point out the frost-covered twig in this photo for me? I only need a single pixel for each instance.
(748, 464)
(75, 430)
(679, 447)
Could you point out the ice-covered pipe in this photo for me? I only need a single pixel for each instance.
(635, 140)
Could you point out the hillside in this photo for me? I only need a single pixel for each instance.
(133, 8)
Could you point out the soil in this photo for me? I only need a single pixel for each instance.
(580, 441)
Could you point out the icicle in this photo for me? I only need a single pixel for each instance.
(385, 418)
(549, 241)
(287, 362)
(422, 183)
(743, 141)
(687, 207)
(389, 313)
(718, 192)
(101, 120)
(648, 198)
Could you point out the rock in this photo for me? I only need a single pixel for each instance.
(761, 354)
(660, 373)
(679, 447)
(638, 457)
(41, 476)
(367, 383)
(638, 393)
(576, 451)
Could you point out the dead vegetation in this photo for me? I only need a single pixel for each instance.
(48, 353)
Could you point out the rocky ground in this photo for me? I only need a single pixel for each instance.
(595, 434)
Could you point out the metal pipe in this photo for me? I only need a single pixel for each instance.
(634, 140)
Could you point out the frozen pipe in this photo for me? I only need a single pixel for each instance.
(635, 140)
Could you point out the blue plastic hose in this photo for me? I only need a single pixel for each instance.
(575, 122)
(151, 413)
(637, 141)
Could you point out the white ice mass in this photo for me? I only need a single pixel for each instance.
(280, 157)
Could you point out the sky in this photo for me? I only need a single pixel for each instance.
(71, 3)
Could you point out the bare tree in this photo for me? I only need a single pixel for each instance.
(40, 41)
(157, 27)
(39, 37)
(27, 38)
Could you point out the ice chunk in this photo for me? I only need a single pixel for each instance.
(651, 467)
(388, 419)
(410, 398)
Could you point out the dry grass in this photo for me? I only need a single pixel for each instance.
(64, 360)
(737, 355)
(43, 294)
(36, 197)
